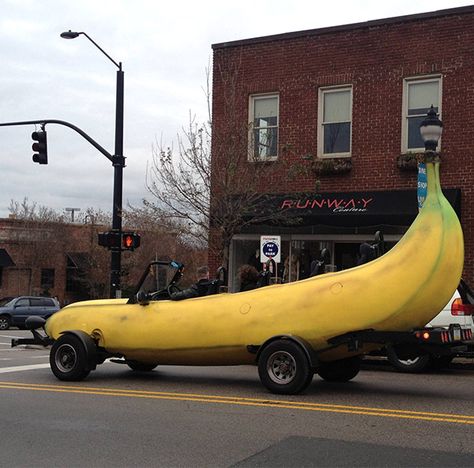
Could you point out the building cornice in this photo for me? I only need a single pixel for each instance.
(347, 27)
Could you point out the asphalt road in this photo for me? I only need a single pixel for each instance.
(222, 416)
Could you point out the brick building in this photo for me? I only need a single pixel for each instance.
(344, 103)
(45, 258)
(65, 260)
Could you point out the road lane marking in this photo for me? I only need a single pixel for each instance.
(5, 370)
(220, 399)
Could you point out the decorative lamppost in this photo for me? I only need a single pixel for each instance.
(118, 162)
(431, 129)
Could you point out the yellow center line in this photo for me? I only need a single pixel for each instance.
(257, 402)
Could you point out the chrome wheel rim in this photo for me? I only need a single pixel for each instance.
(281, 367)
(3, 323)
(65, 358)
(409, 362)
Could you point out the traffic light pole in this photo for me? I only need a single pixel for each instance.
(118, 161)
(66, 124)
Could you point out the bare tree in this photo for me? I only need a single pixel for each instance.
(31, 211)
(182, 180)
(181, 186)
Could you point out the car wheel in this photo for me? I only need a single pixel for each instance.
(68, 359)
(284, 368)
(4, 322)
(342, 370)
(411, 365)
(141, 366)
(439, 362)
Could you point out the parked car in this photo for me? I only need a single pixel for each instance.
(458, 311)
(14, 311)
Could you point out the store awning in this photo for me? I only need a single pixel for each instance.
(364, 208)
(80, 260)
(5, 259)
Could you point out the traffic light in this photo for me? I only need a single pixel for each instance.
(130, 240)
(40, 147)
(113, 240)
(110, 239)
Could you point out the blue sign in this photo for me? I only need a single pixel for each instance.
(422, 184)
(270, 249)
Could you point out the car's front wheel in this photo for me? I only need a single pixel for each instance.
(284, 368)
(4, 322)
(68, 359)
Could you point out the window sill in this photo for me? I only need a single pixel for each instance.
(328, 166)
(408, 162)
(263, 160)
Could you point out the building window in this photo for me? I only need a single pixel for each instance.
(47, 278)
(335, 117)
(264, 126)
(418, 96)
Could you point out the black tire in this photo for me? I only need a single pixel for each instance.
(284, 368)
(141, 366)
(342, 370)
(4, 322)
(412, 365)
(440, 362)
(68, 359)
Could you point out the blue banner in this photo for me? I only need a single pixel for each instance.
(422, 184)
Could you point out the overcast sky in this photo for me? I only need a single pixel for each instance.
(165, 48)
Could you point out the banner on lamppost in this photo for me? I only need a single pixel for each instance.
(422, 184)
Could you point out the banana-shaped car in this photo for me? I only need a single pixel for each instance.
(288, 330)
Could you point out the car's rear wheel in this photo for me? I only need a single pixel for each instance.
(141, 366)
(68, 359)
(342, 370)
(412, 364)
(4, 322)
(284, 368)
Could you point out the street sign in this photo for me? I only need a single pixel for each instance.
(422, 184)
(270, 248)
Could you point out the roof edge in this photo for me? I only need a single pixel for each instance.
(346, 27)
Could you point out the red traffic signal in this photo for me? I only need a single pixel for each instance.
(130, 240)
(40, 147)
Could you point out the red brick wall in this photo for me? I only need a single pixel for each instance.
(373, 58)
(34, 246)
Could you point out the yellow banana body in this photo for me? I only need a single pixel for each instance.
(402, 290)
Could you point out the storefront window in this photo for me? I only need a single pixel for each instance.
(300, 262)
(299, 256)
(248, 252)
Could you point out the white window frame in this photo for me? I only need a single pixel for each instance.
(406, 84)
(322, 92)
(251, 147)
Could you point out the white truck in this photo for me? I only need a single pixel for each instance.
(457, 314)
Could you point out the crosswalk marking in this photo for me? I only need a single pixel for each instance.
(5, 370)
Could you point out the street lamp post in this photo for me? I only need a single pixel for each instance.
(431, 129)
(118, 162)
